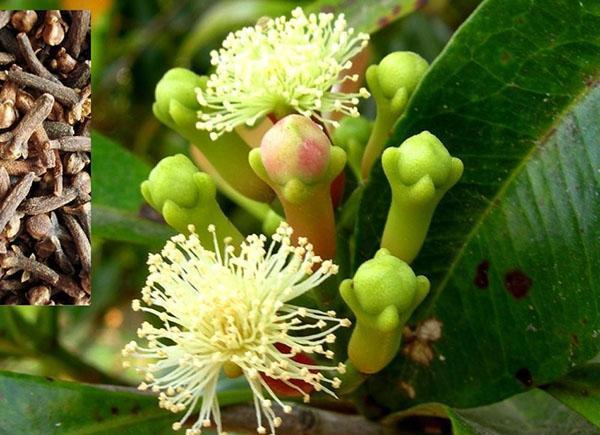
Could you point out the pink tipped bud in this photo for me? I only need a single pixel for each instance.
(295, 148)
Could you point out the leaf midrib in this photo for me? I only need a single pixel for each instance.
(499, 194)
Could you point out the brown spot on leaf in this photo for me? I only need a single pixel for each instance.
(49, 379)
(517, 283)
(396, 10)
(505, 57)
(97, 416)
(383, 21)
(114, 410)
(481, 279)
(419, 352)
(417, 342)
(524, 376)
(574, 340)
(136, 409)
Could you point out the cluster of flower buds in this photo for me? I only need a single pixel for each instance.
(264, 131)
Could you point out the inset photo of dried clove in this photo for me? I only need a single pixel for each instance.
(45, 152)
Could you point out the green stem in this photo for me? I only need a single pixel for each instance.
(382, 126)
(313, 218)
(77, 368)
(406, 228)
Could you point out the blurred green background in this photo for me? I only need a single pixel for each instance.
(134, 43)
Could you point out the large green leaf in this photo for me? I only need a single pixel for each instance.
(117, 199)
(368, 16)
(115, 224)
(33, 405)
(533, 413)
(513, 249)
(117, 175)
(580, 391)
(226, 16)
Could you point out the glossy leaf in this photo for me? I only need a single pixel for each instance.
(368, 16)
(580, 391)
(117, 199)
(533, 413)
(113, 224)
(223, 17)
(35, 405)
(117, 175)
(512, 250)
(227, 16)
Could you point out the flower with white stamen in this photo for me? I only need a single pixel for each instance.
(281, 66)
(230, 310)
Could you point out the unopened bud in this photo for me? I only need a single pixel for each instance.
(402, 69)
(185, 196)
(295, 148)
(383, 295)
(420, 172)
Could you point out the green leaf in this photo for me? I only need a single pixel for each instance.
(35, 405)
(113, 224)
(580, 391)
(223, 17)
(368, 16)
(117, 175)
(117, 199)
(533, 413)
(227, 16)
(512, 252)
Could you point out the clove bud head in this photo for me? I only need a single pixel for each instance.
(382, 295)
(23, 21)
(401, 69)
(295, 148)
(178, 84)
(185, 196)
(421, 157)
(420, 171)
(395, 78)
(172, 179)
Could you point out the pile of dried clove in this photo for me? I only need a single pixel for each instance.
(45, 185)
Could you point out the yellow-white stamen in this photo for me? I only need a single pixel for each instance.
(221, 307)
(281, 66)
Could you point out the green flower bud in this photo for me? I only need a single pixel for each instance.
(382, 295)
(176, 106)
(297, 160)
(185, 196)
(399, 70)
(420, 172)
(352, 136)
(178, 84)
(391, 83)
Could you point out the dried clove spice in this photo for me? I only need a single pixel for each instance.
(45, 182)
